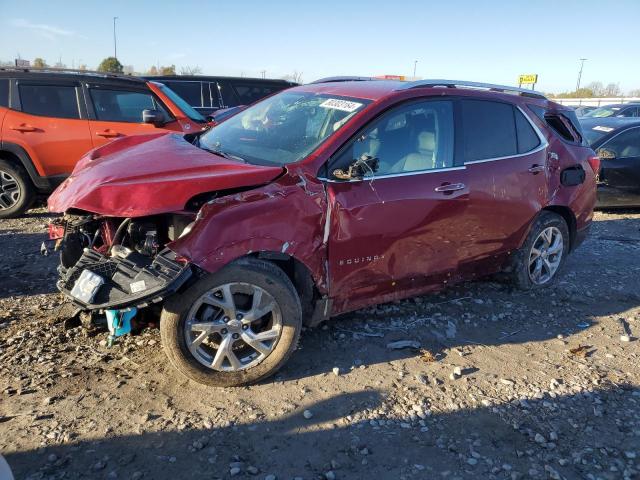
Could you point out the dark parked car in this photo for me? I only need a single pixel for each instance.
(208, 94)
(617, 143)
(582, 110)
(617, 110)
(319, 200)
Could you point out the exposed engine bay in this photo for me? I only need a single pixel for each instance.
(108, 262)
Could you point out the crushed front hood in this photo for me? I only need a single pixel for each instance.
(150, 174)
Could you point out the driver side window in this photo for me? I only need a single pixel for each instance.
(412, 138)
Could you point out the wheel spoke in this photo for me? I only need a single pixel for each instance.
(4, 203)
(257, 310)
(208, 327)
(225, 351)
(255, 340)
(556, 246)
(225, 303)
(199, 339)
(535, 254)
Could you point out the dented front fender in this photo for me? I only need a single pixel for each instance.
(286, 216)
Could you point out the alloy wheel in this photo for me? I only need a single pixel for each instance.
(233, 327)
(9, 190)
(545, 255)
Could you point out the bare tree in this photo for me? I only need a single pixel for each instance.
(295, 77)
(597, 88)
(612, 90)
(189, 70)
(635, 93)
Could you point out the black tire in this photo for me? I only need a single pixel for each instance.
(252, 271)
(519, 272)
(9, 205)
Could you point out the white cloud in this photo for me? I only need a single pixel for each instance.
(48, 31)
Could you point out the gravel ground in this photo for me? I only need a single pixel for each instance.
(503, 384)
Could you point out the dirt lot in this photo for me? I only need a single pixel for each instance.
(549, 385)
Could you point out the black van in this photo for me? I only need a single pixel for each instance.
(208, 94)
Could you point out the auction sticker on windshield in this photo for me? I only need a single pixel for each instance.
(603, 129)
(344, 105)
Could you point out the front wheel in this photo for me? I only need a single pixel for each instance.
(543, 253)
(234, 327)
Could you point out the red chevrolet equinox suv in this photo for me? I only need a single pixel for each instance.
(321, 199)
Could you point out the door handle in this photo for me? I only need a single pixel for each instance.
(24, 128)
(535, 168)
(108, 134)
(450, 187)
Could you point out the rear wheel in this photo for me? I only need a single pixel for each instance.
(234, 327)
(537, 263)
(16, 191)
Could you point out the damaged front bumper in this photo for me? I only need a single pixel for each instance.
(99, 282)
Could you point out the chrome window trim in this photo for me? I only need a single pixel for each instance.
(394, 175)
(543, 143)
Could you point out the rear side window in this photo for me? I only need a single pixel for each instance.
(121, 105)
(4, 92)
(489, 130)
(527, 137)
(58, 101)
(190, 91)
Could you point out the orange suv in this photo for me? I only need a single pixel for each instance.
(51, 118)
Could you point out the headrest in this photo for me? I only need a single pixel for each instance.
(426, 141)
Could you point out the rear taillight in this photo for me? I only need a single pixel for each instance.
(595, 163)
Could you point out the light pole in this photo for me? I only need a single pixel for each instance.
(115, 47)
(582, 60)
(415, 64)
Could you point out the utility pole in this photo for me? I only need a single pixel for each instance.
(115, 45)
(415, 64)
(263, 73)
(582, 60)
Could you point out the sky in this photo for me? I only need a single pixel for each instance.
(486, 41)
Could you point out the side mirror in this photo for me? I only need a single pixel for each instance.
(156, 117)
(358, 169)
(606, 154)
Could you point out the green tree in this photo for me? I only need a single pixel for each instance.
(170, 70)
(39, 63)
(111, 65)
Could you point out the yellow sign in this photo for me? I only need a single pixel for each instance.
(528, 79)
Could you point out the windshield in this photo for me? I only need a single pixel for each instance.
(187, 109)
(281, 129)
(602, 112)
(596, 132)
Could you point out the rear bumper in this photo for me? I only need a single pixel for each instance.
(617, 197)
(133, 281)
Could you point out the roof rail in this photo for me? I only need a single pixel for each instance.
(343, 79)
(465, 84)
(71, 70)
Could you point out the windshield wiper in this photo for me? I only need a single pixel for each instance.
(219, 152)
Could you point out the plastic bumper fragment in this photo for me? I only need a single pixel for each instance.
(132, 281)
